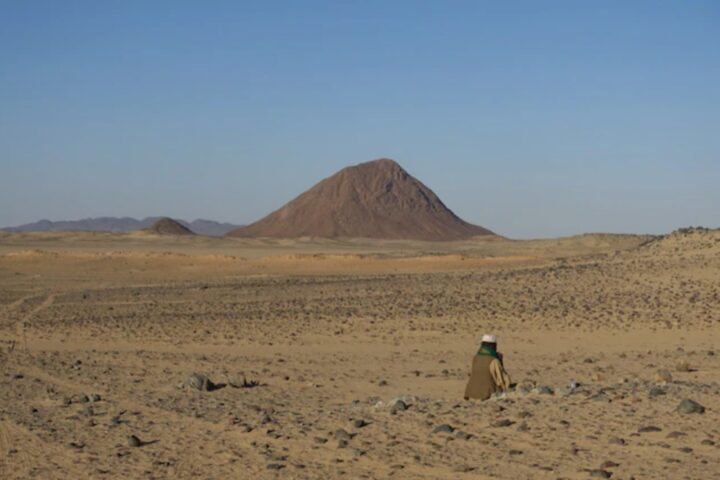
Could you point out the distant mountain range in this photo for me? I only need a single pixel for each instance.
(121, 224)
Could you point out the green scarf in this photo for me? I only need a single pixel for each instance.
(488, 350)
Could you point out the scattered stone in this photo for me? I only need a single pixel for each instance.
(342, 434)
(463, 435)
(505, 422)
(77, 445)
(523, 427)
(707, 441)
(515, 452)
(656, 392)
(609, 464)
(690, 406)
(650, 429)
(275, 466)
(444, 428)
(382, 383)
(683, 366)
(663, 376)
(543, 390)
(617, 441)
(95, 397)
(360, 423)
(342, 443)
(134, 441)
(675, 434)
(320, 440)
(600, 473)
(686, 449)
(200, 382)
(398, 405)
(569, 389)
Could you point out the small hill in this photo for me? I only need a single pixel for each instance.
(684, 241)
(377, 199)
(168, 226)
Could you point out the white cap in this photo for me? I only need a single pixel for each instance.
(489, 338)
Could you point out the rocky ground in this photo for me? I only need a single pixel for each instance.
(181, 366)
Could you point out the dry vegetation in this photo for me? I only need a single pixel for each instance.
(307, 341)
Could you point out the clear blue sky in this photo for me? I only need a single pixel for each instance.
(530, 118)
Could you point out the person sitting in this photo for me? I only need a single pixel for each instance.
(488, 374)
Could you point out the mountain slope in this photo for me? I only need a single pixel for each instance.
(377, 199)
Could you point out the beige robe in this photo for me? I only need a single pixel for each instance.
(487, 377)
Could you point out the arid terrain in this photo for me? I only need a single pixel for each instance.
(348, 359)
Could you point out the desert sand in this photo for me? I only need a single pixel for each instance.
(312, 344)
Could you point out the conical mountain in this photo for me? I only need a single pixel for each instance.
(168, 226)
(377, 199)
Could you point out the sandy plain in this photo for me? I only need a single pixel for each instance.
(99, 333)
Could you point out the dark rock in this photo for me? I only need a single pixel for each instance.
(444, 428)
(523, 427)
(134, 441)
(341, 434)
(649, 429)
(95, 397)
(275, 466)
(599, 473)
(543, 390)
(515, 452)
(200, 382)
(503, 423)
(656, 392)
(398, 405)
(609, 464)
(707, 441)
(690, 406)
(360, 423)
(80, 399)
(617, 441)
(463, 435)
